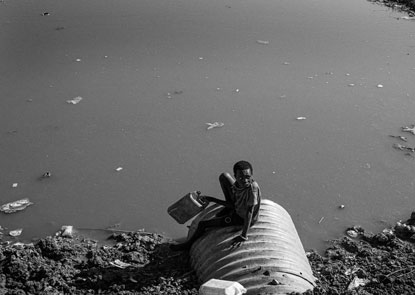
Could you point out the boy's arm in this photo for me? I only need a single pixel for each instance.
(217, 201)
(247, 222)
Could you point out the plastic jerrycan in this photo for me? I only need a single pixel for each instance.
(187, 207)
(221, 287)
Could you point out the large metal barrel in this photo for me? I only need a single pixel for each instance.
(272, 261)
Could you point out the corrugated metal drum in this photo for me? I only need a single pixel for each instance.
(272, 261)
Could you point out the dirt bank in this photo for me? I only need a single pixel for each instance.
(402, 5)
(142, 263)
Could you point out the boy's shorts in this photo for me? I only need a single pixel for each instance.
(234, 219)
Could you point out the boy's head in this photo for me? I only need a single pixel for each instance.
(242, 171)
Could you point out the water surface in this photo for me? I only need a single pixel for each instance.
(152, 73)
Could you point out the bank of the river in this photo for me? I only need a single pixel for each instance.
(142, 263)
(403, 5)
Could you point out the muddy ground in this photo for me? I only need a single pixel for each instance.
(142, 263)
(402, 5)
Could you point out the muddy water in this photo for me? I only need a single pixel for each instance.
(152, 73)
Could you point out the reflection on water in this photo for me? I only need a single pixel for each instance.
(151, 74)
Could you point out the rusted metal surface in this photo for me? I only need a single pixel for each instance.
(272, 261)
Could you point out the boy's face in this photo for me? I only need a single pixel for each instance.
(243, 177)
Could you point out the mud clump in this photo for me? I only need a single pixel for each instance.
(382, 263)
(77, 265)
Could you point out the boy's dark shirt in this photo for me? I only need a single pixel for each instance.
(245, 197)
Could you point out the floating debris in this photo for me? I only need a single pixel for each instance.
(341, 206)
(118, 263)
(403, 138)
(66, 231)
(263, 42)
(351, 85)
(321, 220)
(403, 148)
(118, 169)
(407, 18)
(410, 129)
(286, 63)
(45, 14)
(14, 185)
(379, 86)
(47, 174)
(237, 90)
(78, 60)
(15, 206)
(301, 118)
(75, 100)
(214, 125)
(16, 232)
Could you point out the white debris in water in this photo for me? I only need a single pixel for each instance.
(237, 90)
(379, 86)
(407, 18)
(15, 184)
(301, 118)
(263, 42)
(74, 100)
(16, 232)
(351, 85)
(78, 60)
(118, 169)
(200, 58)
(286, 63)
(214, 125)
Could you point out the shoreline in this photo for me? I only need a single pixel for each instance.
(407, 6)
(142, 263)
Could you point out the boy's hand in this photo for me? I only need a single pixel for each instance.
(204, 199)
(237, 241)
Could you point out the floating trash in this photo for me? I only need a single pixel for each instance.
(263, 42)
(351, 85)
(237, 90)
(286, 63)
(45, 13)
(16, 232)
(75, 100)
(379, 86)
(15, 184)
(410, 129)
(118, 169)
(66, 231)
(407, 18)
(214, 125)
(78, 60)
(341, 207)
(403, 138)
(301, 118)
(15, 206)
(118, 263)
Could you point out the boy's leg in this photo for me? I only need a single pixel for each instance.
(202, 226)
(226, 181)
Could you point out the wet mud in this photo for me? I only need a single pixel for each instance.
(142, 263)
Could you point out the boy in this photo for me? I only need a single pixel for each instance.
(242, 202)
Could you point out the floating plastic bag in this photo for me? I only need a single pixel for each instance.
(15, 206)
(214, 125)
(74, 100)
(16, 232)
